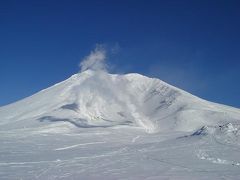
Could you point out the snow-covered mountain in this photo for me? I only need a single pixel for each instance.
(99, 99)
(96, 125)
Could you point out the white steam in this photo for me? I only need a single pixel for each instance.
(95, 61)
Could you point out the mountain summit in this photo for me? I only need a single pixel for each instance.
(98, 99)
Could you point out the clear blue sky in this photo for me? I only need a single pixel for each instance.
(194, 45)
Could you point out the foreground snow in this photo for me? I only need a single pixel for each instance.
(117, 153)
(100, 126)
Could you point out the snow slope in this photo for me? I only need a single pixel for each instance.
(96, 125)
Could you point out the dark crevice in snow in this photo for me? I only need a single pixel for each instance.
(79, 122)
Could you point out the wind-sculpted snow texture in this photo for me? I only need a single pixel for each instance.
(96, 125)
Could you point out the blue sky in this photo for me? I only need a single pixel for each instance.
(194, 45)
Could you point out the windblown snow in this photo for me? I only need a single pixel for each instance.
(97, 125)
